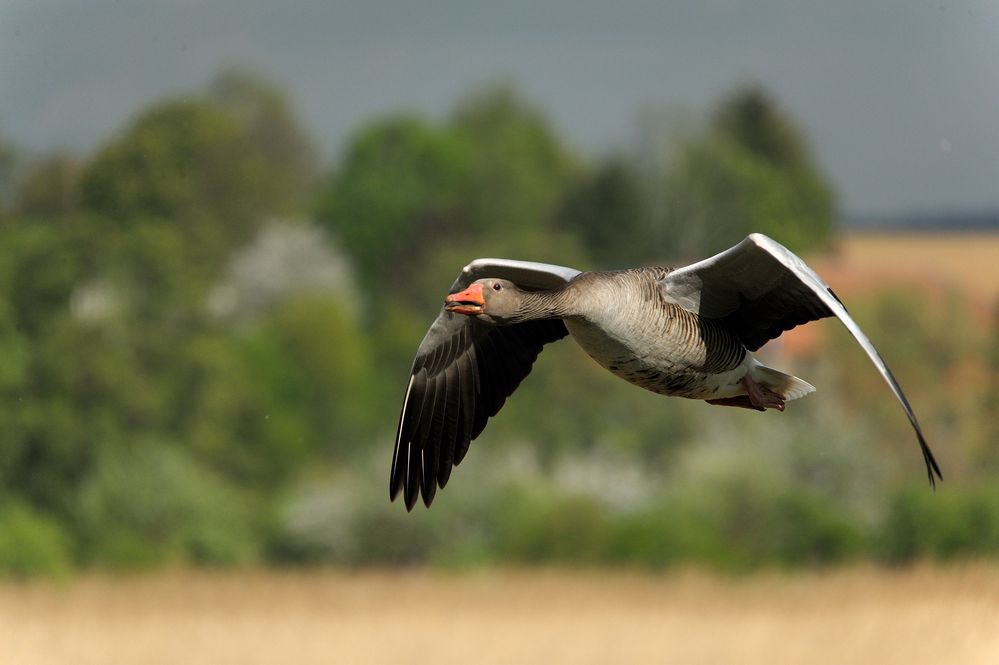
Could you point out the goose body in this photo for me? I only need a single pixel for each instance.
(624, 324)
(686, 332)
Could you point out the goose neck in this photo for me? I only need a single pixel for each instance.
(555, 303)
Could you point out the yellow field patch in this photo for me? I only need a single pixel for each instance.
(926, 615)
(966, 262)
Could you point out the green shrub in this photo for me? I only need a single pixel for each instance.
(31, 543)
(345, 519)
(385, 536)
(809, 531)
(154, 504)
(532, 527)
(947, 524)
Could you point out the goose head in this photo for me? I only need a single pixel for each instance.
(492, 300)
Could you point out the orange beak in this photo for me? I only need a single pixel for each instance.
(469, 301)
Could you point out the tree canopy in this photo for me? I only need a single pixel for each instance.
(749, 168)
(202, 334)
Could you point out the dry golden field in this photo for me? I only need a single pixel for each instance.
(926, 615)
(965, 261)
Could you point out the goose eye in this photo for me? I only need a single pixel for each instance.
(497, 286)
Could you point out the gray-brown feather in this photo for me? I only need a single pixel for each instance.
(623, 322)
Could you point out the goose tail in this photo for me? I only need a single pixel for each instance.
(787, 386)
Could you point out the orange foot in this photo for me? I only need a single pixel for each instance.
(762, 396)
(757, 397)
(741, 401)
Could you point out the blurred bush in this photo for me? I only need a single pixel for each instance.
(154, 504)
(32, 543)
(954, 524)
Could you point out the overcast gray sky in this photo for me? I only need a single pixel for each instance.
(900, 98)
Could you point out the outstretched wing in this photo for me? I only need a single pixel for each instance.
(760, 289)
(463, 373)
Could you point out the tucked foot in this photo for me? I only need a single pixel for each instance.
(742, 401)
(760, 396)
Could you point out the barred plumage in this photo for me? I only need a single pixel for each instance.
(623, 322)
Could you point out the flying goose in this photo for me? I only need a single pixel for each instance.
(686, 332)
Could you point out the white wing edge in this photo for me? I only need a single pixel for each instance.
(810, 279)
(526, 273)
(683, 285)
(398, 437)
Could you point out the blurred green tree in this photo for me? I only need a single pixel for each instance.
(51, 188)
(268, 123)
(215, 167)
(751, 169)
(154, 504)
(178, 159)
(520, 166)
(398, 192)
(313, 362)
(607, 207)
(412, 202)
(752, 118)
(717, 194)
(112, 353)
(8, 167)
(31, 543)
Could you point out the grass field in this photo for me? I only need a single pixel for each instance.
(925, 615)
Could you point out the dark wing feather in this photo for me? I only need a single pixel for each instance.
(760, 289)
(463, 373)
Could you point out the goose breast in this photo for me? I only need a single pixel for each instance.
(626, 326)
